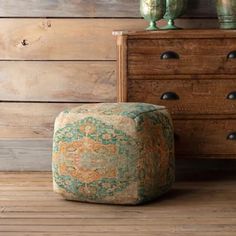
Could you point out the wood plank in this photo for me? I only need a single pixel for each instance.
(117, 234)
(123, 230)
(195, 56)
(61, 39)
(195, 96)
(198, 138)
(64, 81)
(122, 68)
(25, 155)
(25, 174)
(41, 203)
(69, 39)
(121, 222)
(91, 8)
(114, 216)
(207, 211)
(31, 201)
(69, 8)
(29, 120)
(188, 33)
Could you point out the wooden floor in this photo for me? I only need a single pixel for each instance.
(196, 208)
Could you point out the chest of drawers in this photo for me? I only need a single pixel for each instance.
(193, 74)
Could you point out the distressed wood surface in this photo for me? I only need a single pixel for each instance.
(196, 56)
(59, 39)
(122, 68)
(25, 155)
(61, 50)
(195, 96)
(91, 8)
(205, 138)
(29, 120)
(67, 39)
(188, 33)
(199, 208)
(65, 81)
(203, 116)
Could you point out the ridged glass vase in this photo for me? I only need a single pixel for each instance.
(152, 11)
(174, 9)
(226, 10)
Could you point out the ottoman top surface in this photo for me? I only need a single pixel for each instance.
(115, 109)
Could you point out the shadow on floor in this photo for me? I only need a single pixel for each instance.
(205, 170)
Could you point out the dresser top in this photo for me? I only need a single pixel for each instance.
(186, 33)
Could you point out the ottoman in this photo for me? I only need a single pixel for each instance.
(115, 153)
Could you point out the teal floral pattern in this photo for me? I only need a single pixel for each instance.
(113, 153)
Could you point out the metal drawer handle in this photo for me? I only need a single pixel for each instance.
(231, 96)
(232, 136)
(169, 96)
(232, 55)
(169, 55)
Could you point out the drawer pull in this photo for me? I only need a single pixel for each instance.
(232, 55)
(169, 96)
(232, 96)
(232, 136)
(169, 55)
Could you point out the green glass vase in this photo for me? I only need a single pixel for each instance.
(174, 9)
(152, 11)
(226, 10)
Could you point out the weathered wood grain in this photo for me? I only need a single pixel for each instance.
(100, 222)
(25, 155)
(68, 39)
(62, 233)
(122, 68)
(205, 138)
(33, 209)
(29, 120)
(196, 56)
(61, 39)
(65, 81)
(124, 229)
(91, 8)
(195, 96)
(189, 33)
(203, 115)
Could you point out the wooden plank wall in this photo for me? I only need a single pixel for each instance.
(55, 54)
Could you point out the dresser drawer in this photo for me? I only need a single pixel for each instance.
(205, 138)
(181, 56)
(186, 96)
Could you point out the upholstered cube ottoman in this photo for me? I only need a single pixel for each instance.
(118, 153)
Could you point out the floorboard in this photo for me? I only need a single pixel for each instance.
(203, 207)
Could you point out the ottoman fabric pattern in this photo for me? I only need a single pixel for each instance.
(113, 153)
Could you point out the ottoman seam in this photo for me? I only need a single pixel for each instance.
(157, 109)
